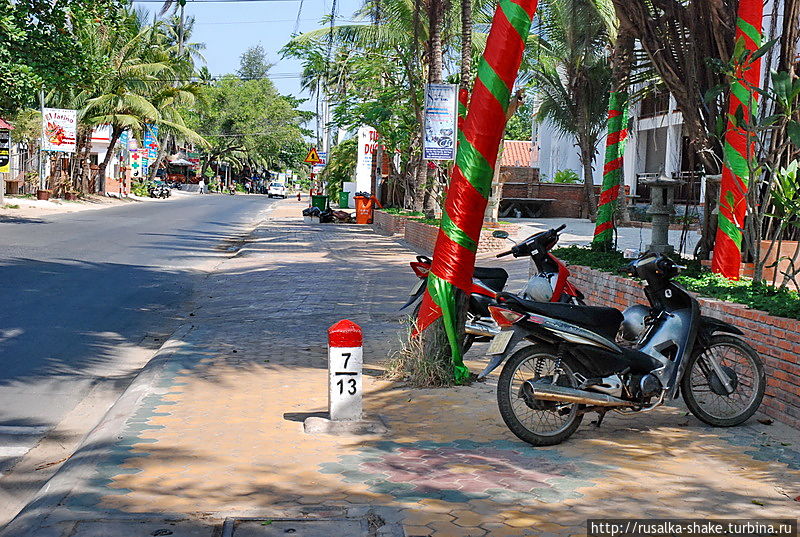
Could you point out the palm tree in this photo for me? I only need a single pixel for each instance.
(122, 97)
(571, 71)
(170, 43)
(423, 46)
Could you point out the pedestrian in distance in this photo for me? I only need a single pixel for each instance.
(202, 185)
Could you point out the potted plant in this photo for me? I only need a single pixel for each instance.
(43, 194)
(71, 195)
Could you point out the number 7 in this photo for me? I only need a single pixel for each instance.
(347, 356)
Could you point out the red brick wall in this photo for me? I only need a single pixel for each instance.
(422, 237)
(388, 224)
(519, 174)
(776, 339)
(570, 199)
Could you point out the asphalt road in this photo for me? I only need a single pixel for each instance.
(85, 299)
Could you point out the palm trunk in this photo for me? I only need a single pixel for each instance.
(162, 151)
(588, 180)
(435, 69)
(116, 132)
(82, 152)
(466, 44)
(622, 61)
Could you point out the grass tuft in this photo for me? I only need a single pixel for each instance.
(413, 365)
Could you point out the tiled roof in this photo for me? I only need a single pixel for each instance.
(4, 125)
(517, 153)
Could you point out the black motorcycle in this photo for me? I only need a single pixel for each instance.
(595, 359)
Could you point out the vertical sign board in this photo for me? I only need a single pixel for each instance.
(60, 129)
(151, 141)
(5, 151)
(345, 362)
(441, 117)
(149, 147)
(367, 144)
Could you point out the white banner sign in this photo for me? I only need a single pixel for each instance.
(441, 122)
(367, 144)
(60, 130)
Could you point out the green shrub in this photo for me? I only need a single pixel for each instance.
(698, 279)
(566, 177)
(140, 188)
(403, 212)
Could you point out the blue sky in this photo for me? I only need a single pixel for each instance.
(229, 28)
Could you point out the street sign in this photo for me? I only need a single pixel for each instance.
(312, 157)
(323, 157)
(5, 151)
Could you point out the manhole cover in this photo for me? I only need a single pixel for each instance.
(137, 528)
(301, 528)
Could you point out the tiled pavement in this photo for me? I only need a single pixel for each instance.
(221, 434)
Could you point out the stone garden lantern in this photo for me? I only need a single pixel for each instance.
(662, 207)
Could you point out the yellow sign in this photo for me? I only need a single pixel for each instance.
(313, 157)
(5, 149)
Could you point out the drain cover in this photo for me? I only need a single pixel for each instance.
(301, 528)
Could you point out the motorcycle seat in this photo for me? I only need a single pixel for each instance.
(600, 320)
(494, 278)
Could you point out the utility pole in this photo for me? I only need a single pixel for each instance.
(42, 184)
(182, 4)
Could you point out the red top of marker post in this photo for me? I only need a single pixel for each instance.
(345, 334)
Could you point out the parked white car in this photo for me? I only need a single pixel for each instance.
(276, 189)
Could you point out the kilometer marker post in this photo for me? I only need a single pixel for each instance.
(345, 363)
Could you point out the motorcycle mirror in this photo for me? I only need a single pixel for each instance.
(500, 234)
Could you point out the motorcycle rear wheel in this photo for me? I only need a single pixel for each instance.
(553, 422)
(700, 384)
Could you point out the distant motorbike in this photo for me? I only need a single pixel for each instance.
(593, 359)
(551, 284)
(160, 190)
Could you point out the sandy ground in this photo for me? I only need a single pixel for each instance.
(22, 207)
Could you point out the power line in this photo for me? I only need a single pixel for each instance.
(217, 78)
(210, 1)
(267, 22)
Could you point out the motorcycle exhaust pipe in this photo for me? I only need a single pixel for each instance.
(563, 394)
(478, 329)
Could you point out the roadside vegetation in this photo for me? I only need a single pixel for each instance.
(121, 68)
(781, 302)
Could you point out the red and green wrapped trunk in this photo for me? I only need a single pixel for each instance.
(471, 181)
(612, 170)
(739, 146)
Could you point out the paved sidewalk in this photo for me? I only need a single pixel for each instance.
(219, 432)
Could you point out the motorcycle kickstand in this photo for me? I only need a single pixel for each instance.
(600, 415)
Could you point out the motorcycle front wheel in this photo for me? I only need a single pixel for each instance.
(706, 395)
(540, 423)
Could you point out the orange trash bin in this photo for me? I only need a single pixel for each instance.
(364, 207)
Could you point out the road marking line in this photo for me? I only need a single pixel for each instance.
(23, 429)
